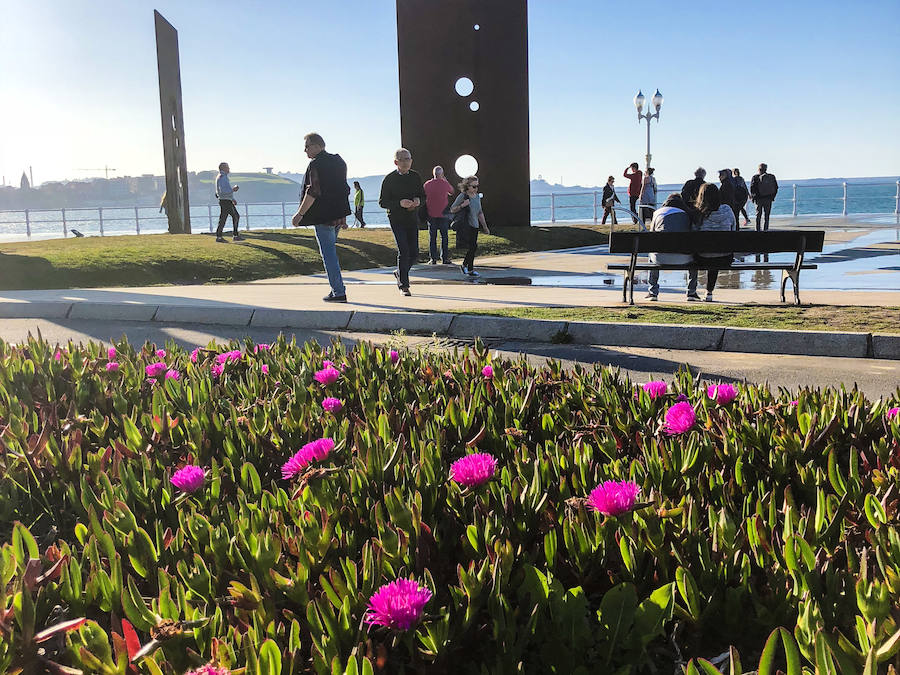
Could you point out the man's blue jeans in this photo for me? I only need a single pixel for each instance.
(327, 236)
(439, 224)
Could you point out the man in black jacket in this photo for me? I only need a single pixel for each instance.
(691, 188)
(727, 194)
(326, 205)
(763, 188)
(402, 193)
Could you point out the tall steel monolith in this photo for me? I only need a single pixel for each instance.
(169, 69)
(440, 43)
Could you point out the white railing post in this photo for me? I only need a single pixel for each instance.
(65, 231)
(595, 207)
(209, 210)
(246, 216)
(100, 211)
(27, 224)
(137, 221)
(795, 200)
(283, 217)
(897, 198)
(845, 198)
(552, 207)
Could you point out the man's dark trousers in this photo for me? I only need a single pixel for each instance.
(438, 224)
(407, 237)
(228, 208)
(633, 200)
(763, 206)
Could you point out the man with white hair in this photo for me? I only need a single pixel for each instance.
(402, 194)
(437, 195)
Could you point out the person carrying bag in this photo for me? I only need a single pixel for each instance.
(468, 218)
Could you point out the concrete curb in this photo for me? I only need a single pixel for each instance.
(656, 336)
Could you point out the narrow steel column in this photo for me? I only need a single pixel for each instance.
(100, 212)
(845, 198)
(169, 70)
(65, 231)
(27, 224)
(137, 221)
(795, 200)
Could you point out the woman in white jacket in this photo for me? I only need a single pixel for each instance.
(714, 217)
(648, 194)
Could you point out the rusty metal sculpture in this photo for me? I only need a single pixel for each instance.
(169, 68)
(464, 91)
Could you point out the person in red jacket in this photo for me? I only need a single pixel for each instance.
(636, 178)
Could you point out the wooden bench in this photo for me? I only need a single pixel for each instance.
(776, 241)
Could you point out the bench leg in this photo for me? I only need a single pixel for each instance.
(625, 286)
(784, 279)
(795, 280)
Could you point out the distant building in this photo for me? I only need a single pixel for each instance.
(24, 184)
(268, 169)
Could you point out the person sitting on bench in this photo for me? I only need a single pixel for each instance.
(714, 216)
(673, 216)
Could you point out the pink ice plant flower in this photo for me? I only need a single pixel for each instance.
(265, 369)
(188, 479)
(794, 402)
(395, 356)
(487, 372)
(656, 388)
(328, 375)
(173, 374)
(112, 367)
(160, 353)
(332, 405)
(195, 354)
(58, 355)
(723, 394)
(217, 369)
(327, 364)
(316, 450)
(397, 605)
(473, 470)
(156, 369)
(679, 418)
(226, 357)
(613, 498)
(111, 353)
(209, 669)
(893, 412)
(262, 347)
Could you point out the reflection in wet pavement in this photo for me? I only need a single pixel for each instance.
(870, 261)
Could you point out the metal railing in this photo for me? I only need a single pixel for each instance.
(582, 206)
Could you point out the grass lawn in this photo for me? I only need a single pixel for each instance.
(161, 259)
(808, 317)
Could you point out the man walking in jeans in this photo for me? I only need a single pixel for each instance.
(763, 188)
(402, 194)
(437, 193)
(326, 205)
(635, 183)
(227, 203)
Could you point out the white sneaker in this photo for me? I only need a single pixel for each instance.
(465, 270)
(473, 273)
(652, 297)
(693, 297)
(709, 297)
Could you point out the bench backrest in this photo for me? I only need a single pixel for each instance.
(777, 241)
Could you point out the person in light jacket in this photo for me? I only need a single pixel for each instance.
(609, 200)
(673, 216)
(714, 217)
(648, 195)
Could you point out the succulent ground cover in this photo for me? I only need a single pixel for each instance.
(286, 508)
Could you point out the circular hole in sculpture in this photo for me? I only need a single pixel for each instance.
(466, 165)
(477, 27)
(464, 86)
(473, 106)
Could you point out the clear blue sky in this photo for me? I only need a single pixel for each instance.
(809, 87)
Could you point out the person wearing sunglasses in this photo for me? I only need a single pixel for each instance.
(469, 217)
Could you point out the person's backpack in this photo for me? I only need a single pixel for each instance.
(740, 192)
(767, 185)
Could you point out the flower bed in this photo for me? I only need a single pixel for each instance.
(287, 509)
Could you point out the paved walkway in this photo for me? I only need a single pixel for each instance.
(857, 256)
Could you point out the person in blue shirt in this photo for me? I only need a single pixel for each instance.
(227, 203)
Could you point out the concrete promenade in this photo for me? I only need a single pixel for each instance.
(856, 256)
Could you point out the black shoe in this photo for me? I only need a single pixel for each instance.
(447, 262)
(237, 237)
(432, 262)
(405, 291)
(221, 240)
(331, 297)
(397, 277)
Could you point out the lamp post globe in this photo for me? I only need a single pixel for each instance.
(657, 100)
(639, 101)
